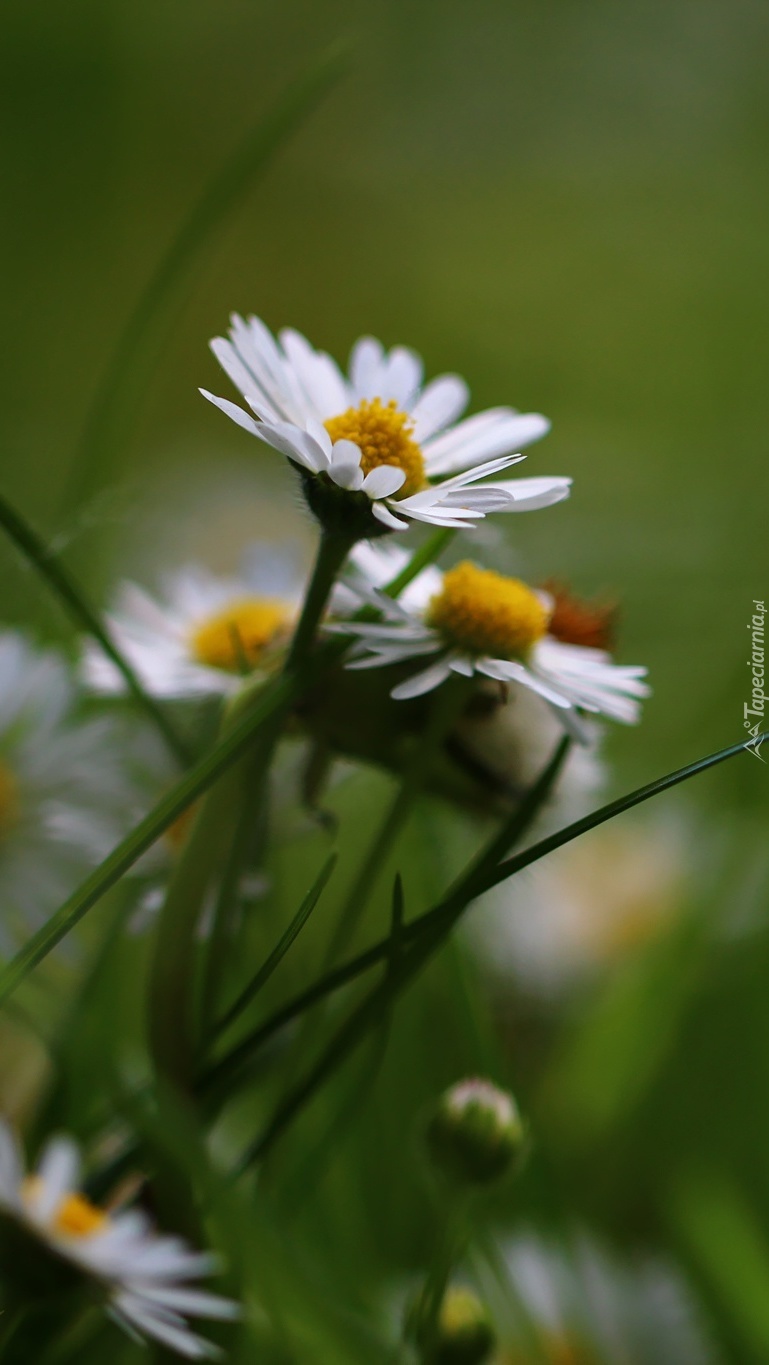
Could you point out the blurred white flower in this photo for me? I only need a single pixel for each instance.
(586, 906)
(144, 1275)
(204, 632)
(470, 621)
(380, 435)
(63, 797)
(580, 1305)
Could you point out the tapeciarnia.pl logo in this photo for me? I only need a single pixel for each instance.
(755, 707)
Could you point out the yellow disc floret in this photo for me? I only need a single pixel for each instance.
(484, 613)
(76, 1216)
(9, 802)
(383, 435)
(236, 638)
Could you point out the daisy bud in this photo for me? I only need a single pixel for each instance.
(476, 1134)
(462, 1335)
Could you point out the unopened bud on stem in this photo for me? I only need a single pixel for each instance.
(476, 1135)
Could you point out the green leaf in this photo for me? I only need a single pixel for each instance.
(301, 917)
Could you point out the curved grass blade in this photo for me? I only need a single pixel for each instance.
(432, 929)
(281, 948)
(71, 596)
(169, 808)
(113, 412)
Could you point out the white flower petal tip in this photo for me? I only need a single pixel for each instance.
(414, 433)
(464, 619)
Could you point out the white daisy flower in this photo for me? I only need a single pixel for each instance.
(204, 632)
(63, 799)
(379, 434)
(473, 621)
(143, 1275)
(582, 1304)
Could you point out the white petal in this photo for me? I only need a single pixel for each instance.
(530, 494)
(58, 1171)
(437, 516)
(402, 377)
(459, 663)
(322, 384)
(383, 481)
(232, 410)
(495, 432)
(192, 1302)
(383, 514)
(292, 441)
(366, 367)
(170, 1330)
(422, 682)
(508, 670)
(245, 379)
(344, 466)
(442, 402)
(320, 436)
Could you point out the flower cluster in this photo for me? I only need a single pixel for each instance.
(459, 680)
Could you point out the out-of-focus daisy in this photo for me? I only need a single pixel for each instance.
(203, 634)
(587, 907)
(471, 621)
(379, 436)
(142, 1276)
(63, 799)
(579, 1305)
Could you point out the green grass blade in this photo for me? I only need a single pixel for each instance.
(430, 930)
(113, 412)
(72, 598)
(296, 926)
(599, 817)
(181, 795)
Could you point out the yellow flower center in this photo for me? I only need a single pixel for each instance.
(383, 435)
(483, 612)
(237, 637)
(9, 801)
(76, 1216)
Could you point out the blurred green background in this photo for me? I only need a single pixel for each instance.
(567, 202)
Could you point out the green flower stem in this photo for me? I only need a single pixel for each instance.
(333, 550)
(71, 596)
(447, 702)
(427, 554)
(214, 845)
(451, 1245)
